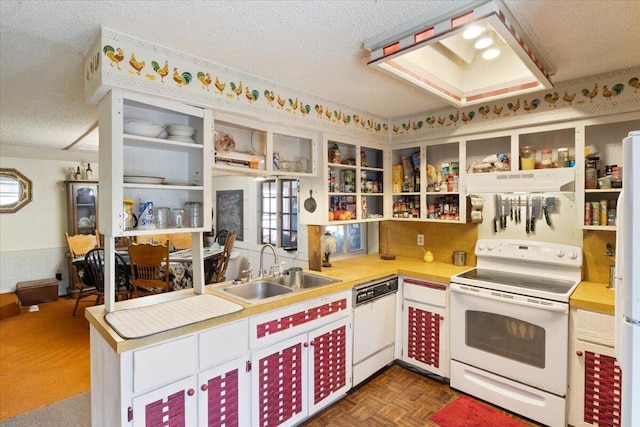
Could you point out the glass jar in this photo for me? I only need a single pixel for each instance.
(527, 157)
(563, 158)
(546, 159)
(591, 175)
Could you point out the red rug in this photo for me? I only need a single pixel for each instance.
(468, 412)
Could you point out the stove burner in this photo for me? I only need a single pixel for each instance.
(525, 281)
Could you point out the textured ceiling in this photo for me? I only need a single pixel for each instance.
(311, 45)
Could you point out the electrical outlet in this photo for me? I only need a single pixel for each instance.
(420, 239)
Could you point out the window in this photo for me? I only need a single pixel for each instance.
(279, 214)
(354, 241)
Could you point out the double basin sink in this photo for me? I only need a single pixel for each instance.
(261, 289)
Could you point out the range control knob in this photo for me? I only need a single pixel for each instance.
(573, 255)
(481, 246)
(559, 253)
(491, 247)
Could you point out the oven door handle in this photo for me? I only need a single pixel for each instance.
(517, 300)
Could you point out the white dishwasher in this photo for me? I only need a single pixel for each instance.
(373, 326)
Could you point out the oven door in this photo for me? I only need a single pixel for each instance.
(514, 336)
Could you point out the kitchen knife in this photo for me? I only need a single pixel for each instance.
(518, 217)
(510, 209)
(535, 211)
(497, 214)
(507, 209)
(500, 201)
(549, 206)
(526, 212)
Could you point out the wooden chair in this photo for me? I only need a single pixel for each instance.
(95, 277)
(149, 268)
(180, 241)
(154, 239)
(223, 262)
(79, 245)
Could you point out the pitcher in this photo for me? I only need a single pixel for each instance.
(129, 219)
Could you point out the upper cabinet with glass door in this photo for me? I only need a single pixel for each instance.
(251, 147)
(152, 150)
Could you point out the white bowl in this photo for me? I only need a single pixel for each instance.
(141, 128)
(180, 130)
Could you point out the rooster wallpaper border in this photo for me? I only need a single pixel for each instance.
(123, 61)
(119, 60)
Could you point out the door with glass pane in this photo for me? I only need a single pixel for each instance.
(82, 207)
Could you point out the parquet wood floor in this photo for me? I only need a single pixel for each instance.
(397, 396)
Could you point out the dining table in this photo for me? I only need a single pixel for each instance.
(180, 265)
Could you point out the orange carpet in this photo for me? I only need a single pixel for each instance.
(44, 356)
(468, 412)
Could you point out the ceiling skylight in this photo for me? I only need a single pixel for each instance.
(472, 57)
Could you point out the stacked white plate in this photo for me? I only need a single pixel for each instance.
(180, 133)
(142, 128)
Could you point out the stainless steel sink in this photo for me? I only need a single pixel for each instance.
(254, 291)
(309, 280)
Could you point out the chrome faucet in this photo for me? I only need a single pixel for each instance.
(262, 271)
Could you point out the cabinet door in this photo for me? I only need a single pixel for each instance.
(424, 340)
(82, 207)
(595, 386)
(279, 383)
(329, 364)
(223, 398)
(172, 405)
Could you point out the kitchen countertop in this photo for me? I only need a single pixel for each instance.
(351, 271)
(594, 296)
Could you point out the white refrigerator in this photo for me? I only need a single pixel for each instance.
(627, 277)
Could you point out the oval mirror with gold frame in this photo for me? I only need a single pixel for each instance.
(15, 190)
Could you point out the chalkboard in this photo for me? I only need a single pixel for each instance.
(229, 211)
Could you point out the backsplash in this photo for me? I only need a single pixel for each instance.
(439, 238)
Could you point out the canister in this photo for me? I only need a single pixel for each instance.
(162, 217)
(145, 217)
(563, 157)
(459, 258)
(194, 213)
(527, 157)
(295, 277)
(546, 158)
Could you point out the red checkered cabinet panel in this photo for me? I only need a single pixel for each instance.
(424, 337)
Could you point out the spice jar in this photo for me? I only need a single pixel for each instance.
(591, 175)
(546, 159)
(563, 158)
(527, 157)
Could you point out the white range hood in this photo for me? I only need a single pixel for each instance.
(527, 181)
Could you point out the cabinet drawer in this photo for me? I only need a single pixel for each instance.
(424, 291)
(160, 364)
(279, 324)
(594, 327)
(223, 343)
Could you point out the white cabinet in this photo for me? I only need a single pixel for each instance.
(301, 375)
(425, 182)
(190, 380)
(167, 172)
(250, 147)
(224, 394)
(300, 360)
(425, 325)
(351, 182)
(602, 140)
(595, 378)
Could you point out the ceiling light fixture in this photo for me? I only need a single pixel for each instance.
(436, 56)
(492, 53)
(472, 32)
(483, 43)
